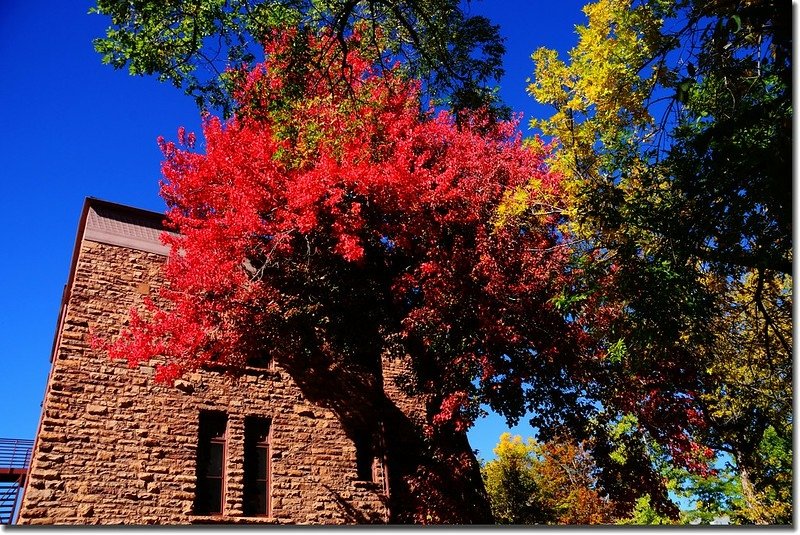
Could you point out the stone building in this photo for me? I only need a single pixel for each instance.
(114, 447)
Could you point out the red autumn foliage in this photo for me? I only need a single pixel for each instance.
(359, 225)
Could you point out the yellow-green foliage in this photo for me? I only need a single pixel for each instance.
(753, 372)
(508, 479)
(544, 483)
(604, 89)
(673, 127)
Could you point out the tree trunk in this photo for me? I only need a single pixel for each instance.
(433, 479)
(754, 505)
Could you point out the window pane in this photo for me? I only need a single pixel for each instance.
(261, 498)
(210, 463)
(256, 466)
(261, 465)
(214, 493)
(216, 452)
(364, 456)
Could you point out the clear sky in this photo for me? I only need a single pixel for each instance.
(73, 128)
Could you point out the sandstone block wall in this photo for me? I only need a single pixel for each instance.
(114, 447)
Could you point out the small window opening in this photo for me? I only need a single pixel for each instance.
(365, 457)
(211, 454)
(261, 360)
(257, 466)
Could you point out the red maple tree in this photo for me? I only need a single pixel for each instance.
(334, 223)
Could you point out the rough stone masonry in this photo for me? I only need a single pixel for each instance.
(114, 447)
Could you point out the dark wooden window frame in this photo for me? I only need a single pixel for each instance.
(212, 435)
(366, 457)
(257, 466)
(371, 462)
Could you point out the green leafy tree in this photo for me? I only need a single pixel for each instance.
(544, 483)
(644, 514)
(510, 483)
(200, 46)
(631, 468)
(712, 497)
(673, 122)
(706, 496)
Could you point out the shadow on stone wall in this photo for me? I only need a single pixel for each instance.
(434, 480)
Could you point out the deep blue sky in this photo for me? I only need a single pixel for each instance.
(74, 128)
